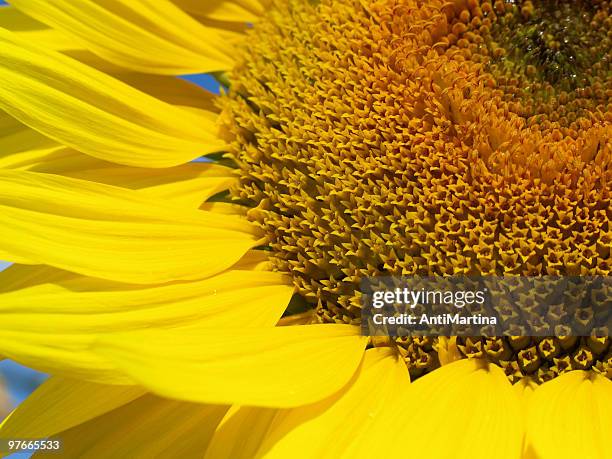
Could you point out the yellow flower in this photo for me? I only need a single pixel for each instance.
(193, 309)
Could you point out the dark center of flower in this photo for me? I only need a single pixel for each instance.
(401, 137)
(563, 43)
(551, 56)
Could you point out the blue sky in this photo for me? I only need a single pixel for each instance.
(206, 81)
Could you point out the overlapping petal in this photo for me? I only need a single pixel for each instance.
(224, 10)
(188, 185)
(465, 409)
(278, 367)
(31, 30)
(17, 138)
(173, 90)
(35, 32)
(96, 114)
(570, 417)
(327, 429)
(94, 420)
(60, 404)
(150, 37)
(49, 318)
(145, 428)
(113, 233)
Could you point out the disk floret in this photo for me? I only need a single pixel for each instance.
(399, 137)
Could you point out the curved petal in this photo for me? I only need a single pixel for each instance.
(224, 208)
(224, 10)
(93, 420)
(49, 318)
(278, 367)
(60, 404)
(96, 114)
(241, 432)
(254, 260)
(172, 90)
(335, 422)
(17, 138)
(145, 428)
(149, 37)
(32, 31)
(13, 19)
(188, 185)
(113, 233)
(571, 416)
(462, 410)
(524, 390)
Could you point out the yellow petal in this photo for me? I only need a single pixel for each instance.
(32, 31)
(241, 433)
(17, 138)
(96, 114)
(28, 28)
(149, 37)
(571, 417)
(172, 90)
(94, 420)
(60, 404)
(149, 427)
(338, 423)
(254, 260)
(461, 410)
(277, 367)
(225, 208)
(26, 142)
(325, 429)
(525, 389)
(49, 318)
(13, 19)
(113, 233)
(44, 158)
(224, 10)
(30, 297)
(188, 185)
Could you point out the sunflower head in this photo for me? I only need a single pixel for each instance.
(364, 138)
(399, 137)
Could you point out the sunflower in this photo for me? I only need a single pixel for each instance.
(211, 308)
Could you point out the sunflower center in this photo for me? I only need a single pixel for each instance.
(563, 43)
(552, 56)
(400, 137)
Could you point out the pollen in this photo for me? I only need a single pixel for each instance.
(401, 137)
